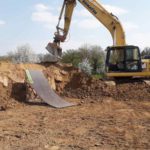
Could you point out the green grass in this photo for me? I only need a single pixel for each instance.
(98, 76)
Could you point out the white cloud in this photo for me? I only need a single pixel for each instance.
(85, 19)
(2, 22)
(43, 14)
(115, 10)
(130, 26)
(82, 13)
(140, 39)
(110, 8)
(88, 24)
(41, 7)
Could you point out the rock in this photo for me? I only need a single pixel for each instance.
(147, 82)
(52, 83)
(54, 148)
(58, 78)
(63, 72)
(110, 83)
(4, 80)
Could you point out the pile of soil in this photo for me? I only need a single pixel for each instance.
(132, 90)
(13, 90)
(84, 87)
(59, 75)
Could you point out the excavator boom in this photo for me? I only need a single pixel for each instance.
(109, 20)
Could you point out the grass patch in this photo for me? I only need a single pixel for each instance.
(98, 76)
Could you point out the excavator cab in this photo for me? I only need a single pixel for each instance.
(122, 59)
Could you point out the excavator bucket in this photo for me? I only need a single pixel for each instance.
(54, 50)
(42, 88)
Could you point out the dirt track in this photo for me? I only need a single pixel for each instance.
(98, 122)
(93, 126)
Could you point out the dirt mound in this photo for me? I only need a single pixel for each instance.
(12, 87)
(83, 87)
(59, 75)
(132, 90)
(12, 80)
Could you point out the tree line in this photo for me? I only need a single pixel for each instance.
(89, 58)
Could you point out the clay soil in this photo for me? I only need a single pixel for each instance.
(106, 117)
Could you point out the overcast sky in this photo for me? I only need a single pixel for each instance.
(34, 21)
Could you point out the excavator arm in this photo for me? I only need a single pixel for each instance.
(109, 20)
(61, 33)
(67, 8)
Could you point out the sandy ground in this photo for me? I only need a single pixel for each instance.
(107, 125)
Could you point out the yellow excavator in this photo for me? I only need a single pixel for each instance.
(122, 60)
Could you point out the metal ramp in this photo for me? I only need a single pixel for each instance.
(42, 88)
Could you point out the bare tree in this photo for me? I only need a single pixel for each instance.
(23, 54)
(146, 52)
(97, 59)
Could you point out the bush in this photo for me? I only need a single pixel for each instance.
(72, 56)
(85, 66)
